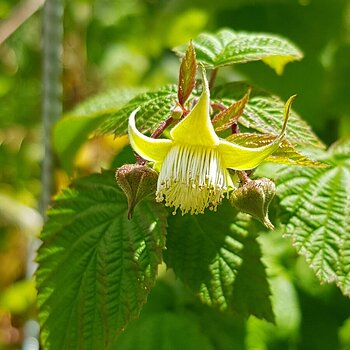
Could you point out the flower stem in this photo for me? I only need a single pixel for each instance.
(235, 128)
(162, 126)
(140, 160)
(217, 105)
(243, 176)
(23, 11)
(213, 76)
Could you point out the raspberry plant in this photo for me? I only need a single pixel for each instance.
(105, 240)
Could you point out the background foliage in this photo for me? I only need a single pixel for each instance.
(106, 52)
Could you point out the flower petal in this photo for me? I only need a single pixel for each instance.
(148, 148)
(244, 158)
(196, 128)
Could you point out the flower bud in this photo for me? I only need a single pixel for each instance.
(137, 182)
(254, 198)
(176, 112)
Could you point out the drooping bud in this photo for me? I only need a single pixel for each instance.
(254, 198)
(137, 181)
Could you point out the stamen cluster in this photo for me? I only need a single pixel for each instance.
(192, 179)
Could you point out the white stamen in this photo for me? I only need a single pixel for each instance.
(192, 178)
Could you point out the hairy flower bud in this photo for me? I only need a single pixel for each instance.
(254, 198)
(137, 182)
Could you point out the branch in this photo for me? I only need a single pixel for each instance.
(18, 16)
(52, 88)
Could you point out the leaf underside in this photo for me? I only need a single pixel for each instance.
(95, 267)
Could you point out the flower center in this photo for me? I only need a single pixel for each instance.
(192, 178)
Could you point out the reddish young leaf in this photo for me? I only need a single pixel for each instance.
(187, 76)
(226, 118)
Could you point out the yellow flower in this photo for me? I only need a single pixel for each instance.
(193, 164)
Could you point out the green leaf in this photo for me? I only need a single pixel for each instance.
(69, 134)
(264, 113)
(316, 202)
(288, 316)
(174, 319)
(155, 108)
(225, 331)
(187, 75)
(107, 102)
(95, 266)
(285, 154)
(74, 128)
(164, 331)
(218, 257)
(228, 47)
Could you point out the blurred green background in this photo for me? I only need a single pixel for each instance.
(117, 43)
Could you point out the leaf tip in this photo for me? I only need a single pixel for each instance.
(187, 75)
(286, 113)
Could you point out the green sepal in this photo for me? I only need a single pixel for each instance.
(254, 198)
(137, 182)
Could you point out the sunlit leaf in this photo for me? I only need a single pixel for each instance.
(155, 107)
(228, 47)
(264, 113)
(285, 154)
(316, 204)
(218, 257)
(288, 317)
(95, 266)
(73, 129)
(278, 62)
